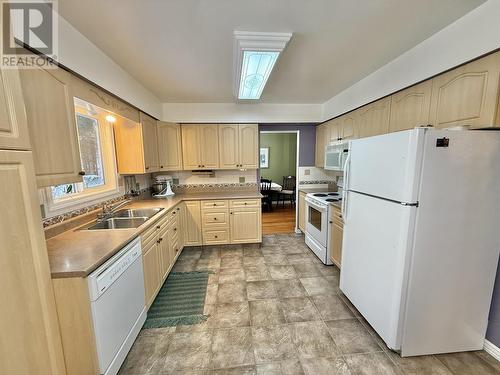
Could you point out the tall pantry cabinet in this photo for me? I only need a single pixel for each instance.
(31, 342)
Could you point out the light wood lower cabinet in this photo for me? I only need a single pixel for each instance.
(152, 278)
(51, 117)
(245, 223)
(302, 211)
(192, 220)
(336, 232)
(31, 340)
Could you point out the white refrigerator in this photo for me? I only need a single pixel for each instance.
(422, 236)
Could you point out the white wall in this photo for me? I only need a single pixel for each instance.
(473, 35)
(234, 112)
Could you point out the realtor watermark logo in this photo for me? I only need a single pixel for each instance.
(32, 23)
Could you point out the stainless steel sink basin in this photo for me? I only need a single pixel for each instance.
(137, 212)
(119, 223)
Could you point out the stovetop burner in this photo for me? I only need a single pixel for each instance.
(334, 194)
(320, 195)
(333, 199)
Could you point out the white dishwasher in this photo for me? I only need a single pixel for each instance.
(118, 305)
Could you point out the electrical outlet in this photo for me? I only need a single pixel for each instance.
(242, 180)
(307, 172)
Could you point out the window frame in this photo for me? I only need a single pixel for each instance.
(94, 195)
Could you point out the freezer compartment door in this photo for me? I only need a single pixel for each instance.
(376, 242)
(387, 166)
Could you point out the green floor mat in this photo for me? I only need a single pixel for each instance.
(180, 300)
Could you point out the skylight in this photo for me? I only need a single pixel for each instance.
(255, 56)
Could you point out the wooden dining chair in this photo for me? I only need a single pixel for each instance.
(265, 190)
(288, 190)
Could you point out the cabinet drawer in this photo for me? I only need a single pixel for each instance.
(214, 218)
(214, 237)
(336, 216)
(213, 204)
(148, 244)
(245, 203)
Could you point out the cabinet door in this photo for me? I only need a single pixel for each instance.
(410, 107)
(31, 342)
(302, 211)
(467, 95)
(209, 146)
(190, 147)
(229, 147)
(169, 146)
(336, 234)
(164, 250)
(245, 225)
(150, 143)
(349, 125)
(374, 118)
(249, 146)
(320, 146)
(13, 122)
(152, 277)
(332, 131)
(52, 125)
(129, 147)
(192, 233)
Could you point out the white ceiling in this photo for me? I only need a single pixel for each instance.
(183, 50)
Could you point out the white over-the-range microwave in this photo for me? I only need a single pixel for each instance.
(336, 156)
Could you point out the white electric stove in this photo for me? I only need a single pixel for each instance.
(317, 213)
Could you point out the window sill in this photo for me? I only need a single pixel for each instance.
(81, 201)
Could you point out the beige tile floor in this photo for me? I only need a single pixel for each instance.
(275, 309)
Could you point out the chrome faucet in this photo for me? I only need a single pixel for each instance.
(108, 210)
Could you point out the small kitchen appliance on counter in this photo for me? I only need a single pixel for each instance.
(163, 186)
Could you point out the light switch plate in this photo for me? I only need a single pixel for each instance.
(242, 180)
(307, 172)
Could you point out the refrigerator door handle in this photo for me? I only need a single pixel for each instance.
(346, 187)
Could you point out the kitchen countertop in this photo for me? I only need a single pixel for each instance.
(77, 253)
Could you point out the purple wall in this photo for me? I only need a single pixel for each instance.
(493, 332)
(307, 141)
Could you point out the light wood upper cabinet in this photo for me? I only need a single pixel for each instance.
(13, 123)
(349, 125)
(31, 341)
(249, 146)
(333, 131)
(136, 145)
(238, 146)
(200, 146)
(150, 143)
(410, 107)
(192, 224)
(209, 146)
(374, 118)
(169, 146)
(467, 95)
(229, 144)
(52, 125)
(321, 136)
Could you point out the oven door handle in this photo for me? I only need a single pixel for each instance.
(315, 206)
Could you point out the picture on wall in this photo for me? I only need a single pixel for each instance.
(264, 157)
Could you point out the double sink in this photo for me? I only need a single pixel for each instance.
(125, 219)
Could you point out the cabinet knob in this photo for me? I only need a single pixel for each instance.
(216, 237)
(178, 209)
(161, 166)
(81, 173)
(147, 168)
(215, 218)
(158, 227)
(215, 204)
(331, 222)
(203, 166)
(199, 166)
(245, 203)
(175, 229)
